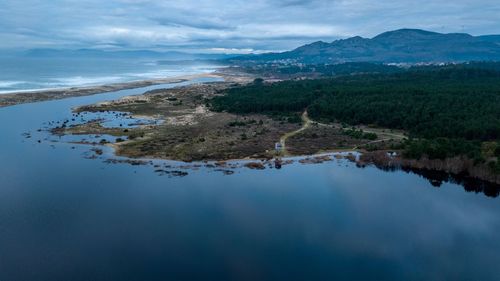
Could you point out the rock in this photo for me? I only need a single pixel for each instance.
(351, 157)
(97, 151)
(315, 160)
(278, 163)
(255, 166)
(225, 172)
(221, 164)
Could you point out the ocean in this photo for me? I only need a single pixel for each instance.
(30, 74)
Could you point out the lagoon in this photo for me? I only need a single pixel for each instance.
(66, 217)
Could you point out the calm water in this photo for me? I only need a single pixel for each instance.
(65, 217)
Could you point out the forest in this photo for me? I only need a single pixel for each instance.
(290, 71)
(447, 111)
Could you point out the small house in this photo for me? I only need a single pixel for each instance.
(278, 147)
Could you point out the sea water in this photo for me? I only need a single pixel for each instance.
(33, 73)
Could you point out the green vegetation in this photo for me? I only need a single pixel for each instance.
(349, 68)
(497, 150)
(495, 166)
(239, 123)
(447, 103)
(236, 124)
(447, 111)
(280, 98)
(359, 134)
(441, 148)
(317, 70)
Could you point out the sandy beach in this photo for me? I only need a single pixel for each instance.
(52, 94)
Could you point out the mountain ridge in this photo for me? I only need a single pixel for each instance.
(398, 46)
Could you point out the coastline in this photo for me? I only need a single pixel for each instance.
(243, 141)
(460, 166)
(22, 97)
(473, 178)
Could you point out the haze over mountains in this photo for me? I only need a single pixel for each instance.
(399, 46)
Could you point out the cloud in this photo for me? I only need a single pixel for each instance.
(236, 24)
(233, 51)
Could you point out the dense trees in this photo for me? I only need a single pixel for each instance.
(447, 103)
(453, 107)
(319, 70)
(441, 148)
(284, 97)
(451, 102)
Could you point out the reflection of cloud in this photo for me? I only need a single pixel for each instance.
(232, 24)
(399, 206)
(352, 220)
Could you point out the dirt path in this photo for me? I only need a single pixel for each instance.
(371, 142)
(306, 122)
(388, 136)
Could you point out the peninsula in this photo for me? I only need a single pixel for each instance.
(415, 118)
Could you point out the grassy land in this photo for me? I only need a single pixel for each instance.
(191, 132)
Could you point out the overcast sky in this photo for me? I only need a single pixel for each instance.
(228, 25)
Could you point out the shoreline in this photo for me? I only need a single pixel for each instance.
(360, 157)
(191, 136)
(459, 166)
(22, 97)
(474, 180)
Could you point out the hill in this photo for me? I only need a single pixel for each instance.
(399, 46)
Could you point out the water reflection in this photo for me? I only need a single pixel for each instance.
(64, 217)
(437, 178)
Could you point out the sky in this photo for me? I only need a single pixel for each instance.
(227, 26)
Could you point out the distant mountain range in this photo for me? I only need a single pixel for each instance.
(399, 46)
